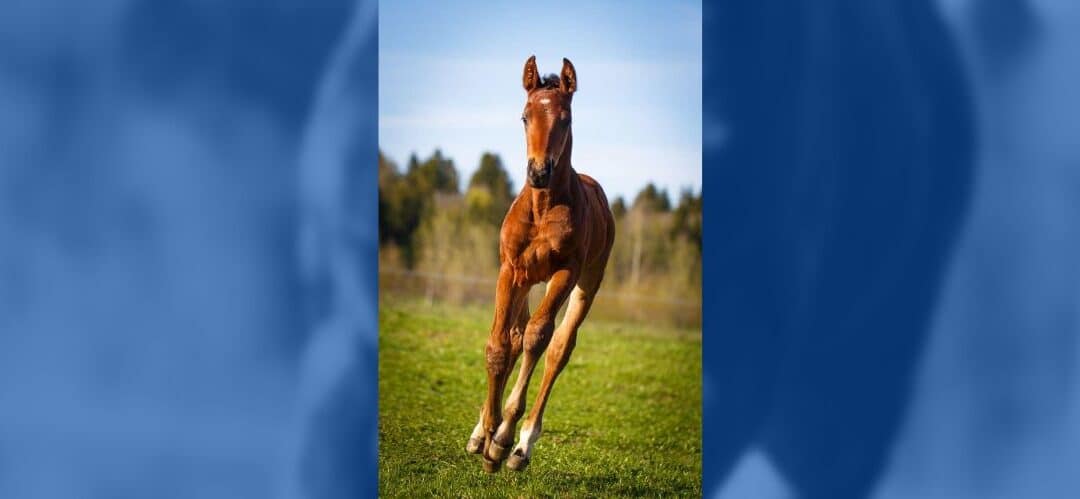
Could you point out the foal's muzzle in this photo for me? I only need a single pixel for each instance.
(539, 175)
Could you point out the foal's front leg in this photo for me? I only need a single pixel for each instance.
(509, 298)
(517, 332)
(538, 333)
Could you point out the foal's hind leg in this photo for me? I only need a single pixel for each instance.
(558, 354)
(517, 332)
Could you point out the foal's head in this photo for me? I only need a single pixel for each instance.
(546, 119)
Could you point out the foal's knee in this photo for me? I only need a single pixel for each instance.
(537, 336)
(498, 355)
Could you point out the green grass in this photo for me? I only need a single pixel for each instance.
(624, 418)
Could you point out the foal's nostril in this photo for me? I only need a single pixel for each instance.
(534, 168)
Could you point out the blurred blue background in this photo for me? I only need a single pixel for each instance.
(893, 285)
(187, 248)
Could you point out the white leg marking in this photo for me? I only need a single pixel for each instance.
(478, 431)
(528, 437)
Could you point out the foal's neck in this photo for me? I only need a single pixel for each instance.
(561, 187)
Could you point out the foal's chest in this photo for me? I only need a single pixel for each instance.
(543, 247)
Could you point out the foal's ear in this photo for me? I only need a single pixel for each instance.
(531, 78)
(568, 78)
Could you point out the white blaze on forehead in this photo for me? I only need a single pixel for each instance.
(545, 100)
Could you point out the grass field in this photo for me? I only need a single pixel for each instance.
(624, 418)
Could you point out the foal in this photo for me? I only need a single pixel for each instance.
(558, 230)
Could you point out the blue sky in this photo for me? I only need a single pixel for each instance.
(450, 78)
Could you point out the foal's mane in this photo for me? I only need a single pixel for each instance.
(549, 81)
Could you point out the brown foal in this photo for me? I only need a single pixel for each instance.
(558, 230)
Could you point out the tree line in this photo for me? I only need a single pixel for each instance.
(429, 225)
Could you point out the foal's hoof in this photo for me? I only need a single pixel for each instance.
(491, 466)
(475, 446)
(517, 461)
(497, 452)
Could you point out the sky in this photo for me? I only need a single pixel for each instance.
(450, 78)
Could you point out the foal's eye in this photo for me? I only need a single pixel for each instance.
(523, 120)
